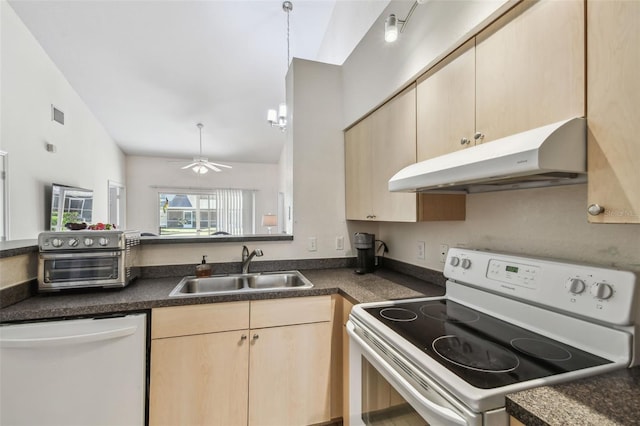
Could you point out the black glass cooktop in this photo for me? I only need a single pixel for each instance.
(482, 350)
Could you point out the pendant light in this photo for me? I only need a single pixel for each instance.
(278, 118)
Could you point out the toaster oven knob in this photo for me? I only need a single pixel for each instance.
(73, 242)
(466, 264)
(88, 242)
(601, 291)
(103, 241)
(57, 242)
(454, 261)
(575, 286)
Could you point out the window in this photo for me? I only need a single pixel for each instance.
(226, 211)
(117, 204)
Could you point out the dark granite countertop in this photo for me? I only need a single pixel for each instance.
(17, 247)
(607, 399)
(149, 293)
(206, 239)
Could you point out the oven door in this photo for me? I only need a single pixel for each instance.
(80, 269)
(385, 392)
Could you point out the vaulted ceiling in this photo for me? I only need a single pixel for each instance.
(150, 70)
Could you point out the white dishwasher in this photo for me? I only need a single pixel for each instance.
(74, 372)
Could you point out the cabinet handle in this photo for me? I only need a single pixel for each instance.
(595, 209)
(256, 337)
(478, 136)
(243, 337)
(465, 141)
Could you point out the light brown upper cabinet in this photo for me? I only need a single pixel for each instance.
(530, 68)
(613, 88)
(446, 104)
(358, 171)
(378, 147)
(524, 71)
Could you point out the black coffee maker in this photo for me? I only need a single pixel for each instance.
(365, 246)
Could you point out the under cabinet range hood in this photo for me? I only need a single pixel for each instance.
(551, 155)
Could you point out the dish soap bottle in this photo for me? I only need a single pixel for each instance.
(203, 270)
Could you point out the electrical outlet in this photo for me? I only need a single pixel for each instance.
(312, 244)
(420, 250)
(340, 243)
(443, 252)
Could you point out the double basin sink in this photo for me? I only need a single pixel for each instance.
(241, 283)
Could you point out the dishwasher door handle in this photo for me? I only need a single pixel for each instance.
(36, 342)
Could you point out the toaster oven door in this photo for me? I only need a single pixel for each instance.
(58, 271)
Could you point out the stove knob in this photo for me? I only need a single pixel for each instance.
(601, 291)
(454, 261)
(466, 264)
(103, 241)
(88, 242)
(73, 242)
(57, 242)
(575, 285)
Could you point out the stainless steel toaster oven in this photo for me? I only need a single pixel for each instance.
(81, 259)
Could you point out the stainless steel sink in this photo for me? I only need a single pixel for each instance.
(241, 283)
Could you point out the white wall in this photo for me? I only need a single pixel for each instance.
(315, 150)
(548, 222)
(86, 155)
(318, 157)
(146, 174)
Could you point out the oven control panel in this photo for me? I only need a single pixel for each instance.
(513, 273)
(590, 291)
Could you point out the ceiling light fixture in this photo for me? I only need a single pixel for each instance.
(391, 30)
(200, 164)
(279, 118)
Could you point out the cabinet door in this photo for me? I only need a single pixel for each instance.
(357, 143)
(446, 104)
(290, 375)
(613, 58)
(393, 147)
(199, 380)
(530, 68)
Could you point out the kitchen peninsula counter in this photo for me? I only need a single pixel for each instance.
(147, 293)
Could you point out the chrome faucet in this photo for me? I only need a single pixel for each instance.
(246, 258)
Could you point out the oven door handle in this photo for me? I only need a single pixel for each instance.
(441, 414)
(77, 255)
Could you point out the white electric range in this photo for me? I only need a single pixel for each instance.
(506, 323)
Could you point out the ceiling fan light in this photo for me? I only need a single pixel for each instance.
(200, 169)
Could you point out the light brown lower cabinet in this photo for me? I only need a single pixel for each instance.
(515, 422)
(273, 371)
(199, 380)
(289, 381)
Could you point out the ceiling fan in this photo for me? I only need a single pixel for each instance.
(202, 165)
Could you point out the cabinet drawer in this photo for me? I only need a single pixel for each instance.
(199, 319)
(296, 310)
